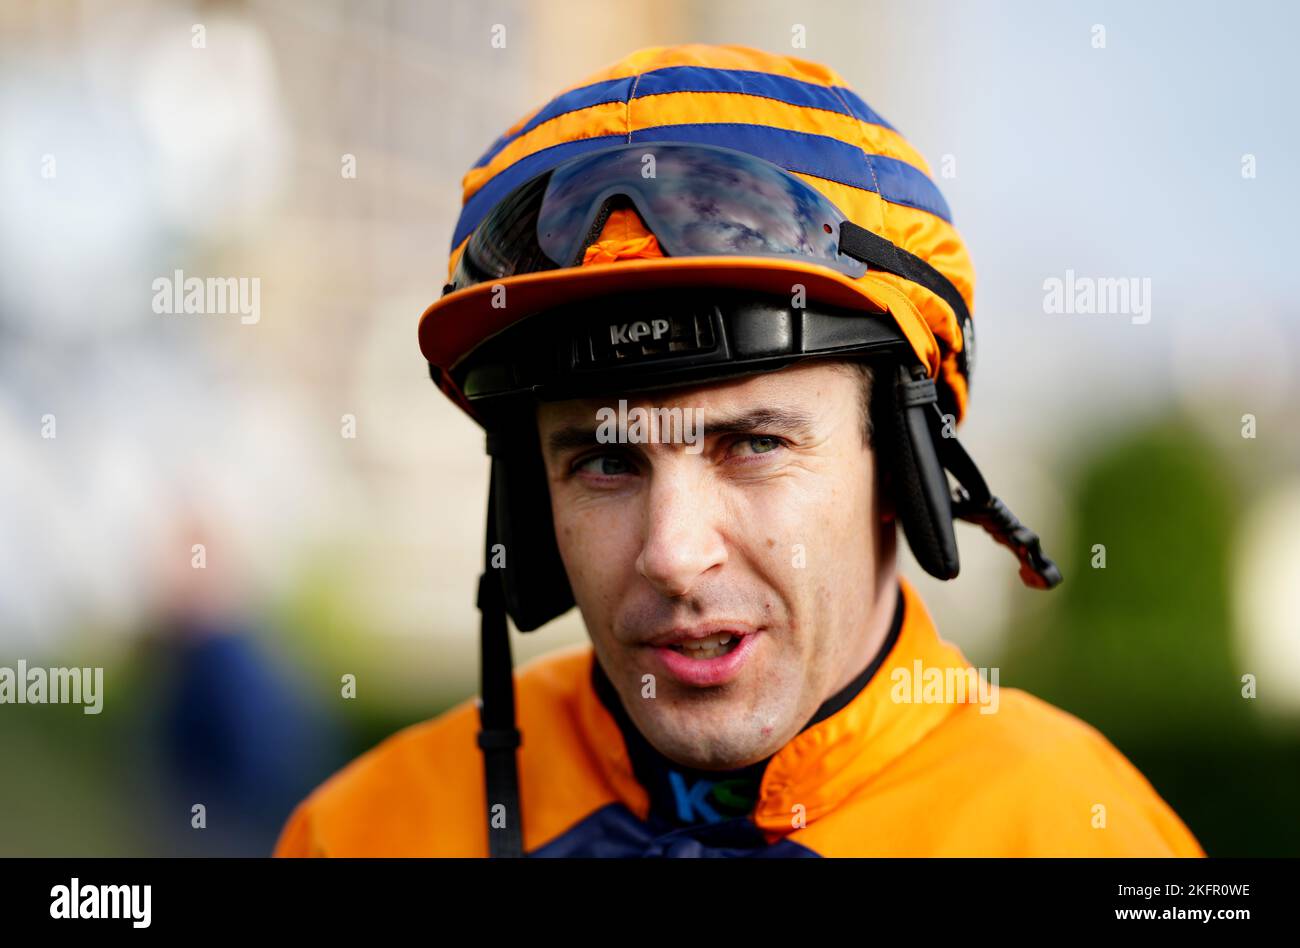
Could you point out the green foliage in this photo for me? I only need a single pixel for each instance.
(1143, 649)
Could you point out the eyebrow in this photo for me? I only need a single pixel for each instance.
(784, 421)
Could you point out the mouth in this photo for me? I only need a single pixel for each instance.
(712, 646)
(706, 657)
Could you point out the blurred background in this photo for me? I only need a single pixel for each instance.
(335, 500)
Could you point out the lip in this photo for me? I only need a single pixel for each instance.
(705, 672)
(702, 631)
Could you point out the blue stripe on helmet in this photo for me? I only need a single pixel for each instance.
(750, 82)
(600, 93)
(818, 155)
(860, 110)
(697, 79)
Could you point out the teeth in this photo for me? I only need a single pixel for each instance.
(709, 641)
(712, 646)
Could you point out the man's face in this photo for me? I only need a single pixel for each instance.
(742, 571)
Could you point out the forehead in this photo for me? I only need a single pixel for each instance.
(820, 389)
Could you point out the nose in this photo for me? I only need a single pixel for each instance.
(682, 541)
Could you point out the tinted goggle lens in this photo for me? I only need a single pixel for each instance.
(698, 200)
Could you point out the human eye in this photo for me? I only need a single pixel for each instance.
(754, 445)
(598, 466)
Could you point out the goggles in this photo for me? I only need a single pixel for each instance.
(698, 200)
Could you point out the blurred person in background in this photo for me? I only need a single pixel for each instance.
(232, 730)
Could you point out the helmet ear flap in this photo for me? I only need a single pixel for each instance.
(534, 582)
(922, 501)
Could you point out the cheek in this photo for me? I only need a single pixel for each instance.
(811, 535)
(794, 524)
(597, 545)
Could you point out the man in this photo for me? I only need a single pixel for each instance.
(715, 319)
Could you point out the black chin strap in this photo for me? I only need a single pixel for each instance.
(973, 502)
(498, 738)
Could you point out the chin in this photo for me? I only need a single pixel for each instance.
(718, 738)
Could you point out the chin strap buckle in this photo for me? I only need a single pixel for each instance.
(1036, 569)
(973, 502)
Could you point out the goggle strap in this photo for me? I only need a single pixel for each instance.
(875, 251)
